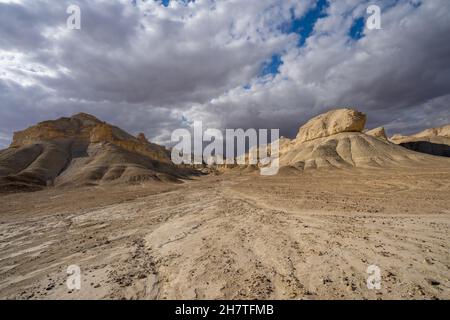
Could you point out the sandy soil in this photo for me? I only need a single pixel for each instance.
(297, 235)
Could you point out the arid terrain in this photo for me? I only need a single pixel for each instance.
(297, 235)
(78, 191)
(204, 154)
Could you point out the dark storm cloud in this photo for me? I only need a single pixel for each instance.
(153, 69)
(393, 74)
(21, 26)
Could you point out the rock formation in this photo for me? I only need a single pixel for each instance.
(76, 127)
(331, 123)
(442, 132)
(435, 141)
(141, 137)
(82, 150)
(377, 133)
(336, 139)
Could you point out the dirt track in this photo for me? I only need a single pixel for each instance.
(293, 236)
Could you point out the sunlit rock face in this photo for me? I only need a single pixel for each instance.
(331, 123)
(377, 133)
(82, 150)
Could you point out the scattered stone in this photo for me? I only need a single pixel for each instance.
(50, 286)
(433, 282)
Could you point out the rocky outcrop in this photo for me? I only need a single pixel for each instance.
(436, 147)
(331, 123)
(77, 127)
(426, 134)
(443, 131)
(82, 129)
(346, 150)
(82, 150)
(141, 137)
(105, 133)
(377, 133)
(336, 140)
(434, 141)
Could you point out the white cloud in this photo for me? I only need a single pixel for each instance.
(148, 68)
(390, 73)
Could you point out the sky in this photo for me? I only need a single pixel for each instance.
(155, 66)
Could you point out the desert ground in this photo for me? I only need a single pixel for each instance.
(296, 235)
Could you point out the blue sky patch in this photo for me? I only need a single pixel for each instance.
(357, 30)
(272, 66)
(304, 25)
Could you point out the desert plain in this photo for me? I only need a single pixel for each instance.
(140, 228)
(234, 236)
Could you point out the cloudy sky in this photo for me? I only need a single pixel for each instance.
(155, 66)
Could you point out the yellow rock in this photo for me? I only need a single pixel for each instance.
(377, 133)
(330, 123)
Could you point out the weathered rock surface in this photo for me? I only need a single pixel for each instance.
(335, 140)
(103, 133)
(346, 150)
(377, 133)
(82, 150)
(331, 123)
(434, 141)
(319, 146)
(443, 131)
(141, 137)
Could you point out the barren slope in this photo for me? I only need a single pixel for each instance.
(298, 236)
(82, 150)
(435, 141)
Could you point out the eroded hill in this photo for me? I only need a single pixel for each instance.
(82, 150)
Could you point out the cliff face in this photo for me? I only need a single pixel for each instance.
(336, 140)
(105, 133)
(82, 150)
(435, 141)
(443, 131)
(86, 129)
(77, 127)
(331, 123)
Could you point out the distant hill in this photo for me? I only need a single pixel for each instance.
(337, 139)
(82, 150)
(435, 141)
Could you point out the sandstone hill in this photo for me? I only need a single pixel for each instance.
(331, 123)
(82, 150)
(435, 141)
(337, 139)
